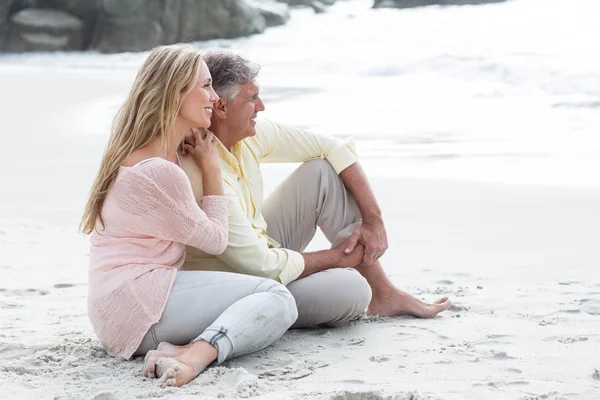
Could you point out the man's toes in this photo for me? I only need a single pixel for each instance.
(442, 300)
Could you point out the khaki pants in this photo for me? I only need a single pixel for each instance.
(314, 195)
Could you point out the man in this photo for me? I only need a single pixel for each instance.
(329, 190)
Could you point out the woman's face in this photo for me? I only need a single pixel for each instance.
(197, 106)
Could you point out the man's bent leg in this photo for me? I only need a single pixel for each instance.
(315, 196)
(332, 297)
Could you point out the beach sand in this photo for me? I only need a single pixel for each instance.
(520, 262)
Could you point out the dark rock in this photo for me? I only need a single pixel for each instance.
(44, 30)
(421, 3)
(86, 10)
(127, 34)
(318, 7)
(275, 13)
(170, 20)
(210, 19)
(132, 25)
(307, 3)
(4, 13)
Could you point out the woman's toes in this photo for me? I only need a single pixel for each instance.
(150, 366)
(166, 347)
(169, 378)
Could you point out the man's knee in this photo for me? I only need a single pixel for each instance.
(316, 168)
(332, 297)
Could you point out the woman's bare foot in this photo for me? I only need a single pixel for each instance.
(397, 302)
(184, 367)
(164, 349)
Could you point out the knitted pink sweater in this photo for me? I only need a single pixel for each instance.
(149, 215)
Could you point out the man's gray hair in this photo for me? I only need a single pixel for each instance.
(229, 71)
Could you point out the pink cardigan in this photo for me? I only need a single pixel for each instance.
(149, 215)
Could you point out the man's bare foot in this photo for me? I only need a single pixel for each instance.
(396, 302)
(186, 366)
(164, 349)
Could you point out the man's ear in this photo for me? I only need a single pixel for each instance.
(220, 109)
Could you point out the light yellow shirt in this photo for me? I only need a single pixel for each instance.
(250, 250)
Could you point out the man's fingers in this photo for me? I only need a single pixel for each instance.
(351, 242)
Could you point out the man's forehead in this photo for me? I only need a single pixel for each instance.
(250, 87)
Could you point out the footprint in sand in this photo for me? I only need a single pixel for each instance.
(358, 395)
(501, 355)
(590, 306)
(11, 351)
(458, 308)
(297, 370)
(104, 396)
(356, 342)
(379, 359)
(64, 285)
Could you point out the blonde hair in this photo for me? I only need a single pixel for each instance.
(149, 112)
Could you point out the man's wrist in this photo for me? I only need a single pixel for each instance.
(372, 217)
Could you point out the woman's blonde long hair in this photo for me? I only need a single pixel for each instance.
(149, 112)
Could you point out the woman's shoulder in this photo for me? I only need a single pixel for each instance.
(154, 169)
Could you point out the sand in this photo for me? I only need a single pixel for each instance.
(520, 262)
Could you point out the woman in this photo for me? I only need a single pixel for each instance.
(142, 213)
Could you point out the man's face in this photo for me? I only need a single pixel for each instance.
(242, 112)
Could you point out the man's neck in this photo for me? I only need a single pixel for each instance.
(222, 132)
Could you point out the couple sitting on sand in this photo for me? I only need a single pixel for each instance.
(188, 264)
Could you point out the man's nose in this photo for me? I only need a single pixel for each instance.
(260, 106)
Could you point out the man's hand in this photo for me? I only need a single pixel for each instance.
(372, 235)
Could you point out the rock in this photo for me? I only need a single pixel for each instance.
(307, 3)
(127, 26)
(275, 13)
(132, 25)
(86, 10)
(128, 34)
(318, 7)
(4, 10)
(421, 3)
(210, 19)
(44, 30)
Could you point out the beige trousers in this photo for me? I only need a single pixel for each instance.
(314, 195)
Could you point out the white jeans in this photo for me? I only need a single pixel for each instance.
(238, 314)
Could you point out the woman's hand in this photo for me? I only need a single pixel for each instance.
(202, 146)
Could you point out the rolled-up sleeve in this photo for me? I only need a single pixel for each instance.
(281, 143)
(249, 253)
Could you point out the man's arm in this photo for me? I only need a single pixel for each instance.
(372, 232)
(250, 253)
